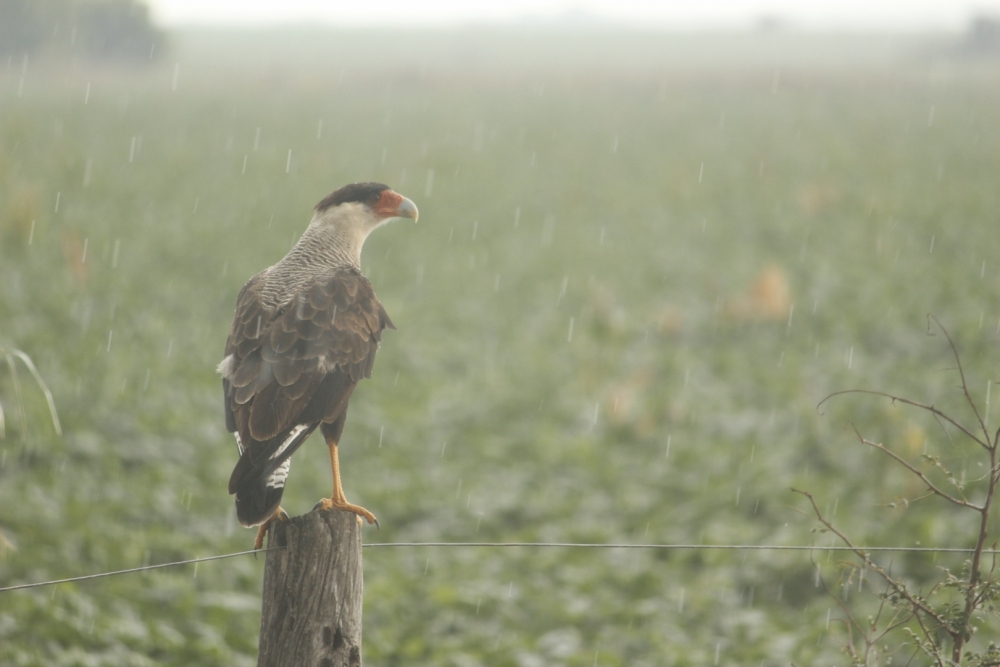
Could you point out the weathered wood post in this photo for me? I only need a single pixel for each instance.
(311, 608)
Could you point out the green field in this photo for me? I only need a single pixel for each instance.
(642, 261)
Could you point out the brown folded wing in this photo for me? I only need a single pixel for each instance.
(298, 363)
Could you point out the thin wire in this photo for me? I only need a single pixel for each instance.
(137, 569)
(560, 545)
(751, 547)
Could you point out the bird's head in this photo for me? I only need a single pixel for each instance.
(345, 218)
(361, 207)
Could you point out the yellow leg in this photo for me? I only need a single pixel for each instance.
(337, 501)
(279, 514)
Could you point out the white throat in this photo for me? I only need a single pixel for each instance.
(335, 237)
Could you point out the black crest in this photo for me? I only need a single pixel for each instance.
(364, 193)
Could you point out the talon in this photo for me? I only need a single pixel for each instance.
(330, 504)
(279, 515)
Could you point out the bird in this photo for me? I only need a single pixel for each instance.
(304, 333)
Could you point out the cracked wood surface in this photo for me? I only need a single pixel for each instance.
(313, 589)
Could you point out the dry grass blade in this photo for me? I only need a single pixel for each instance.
(10, 356)
(17, 389)
(44, 387)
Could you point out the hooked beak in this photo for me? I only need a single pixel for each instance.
(394, 205)
(407, 209)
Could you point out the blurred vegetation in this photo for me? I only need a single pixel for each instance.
(641, 262)
(97, 29)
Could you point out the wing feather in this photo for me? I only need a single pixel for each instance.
(298, 362)
(307, 382)
(288, 369)
(281, 341)
(247, 371)
(318, 298)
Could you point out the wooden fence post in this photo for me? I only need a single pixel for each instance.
(311, 607)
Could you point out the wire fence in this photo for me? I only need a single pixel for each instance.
(537, 545)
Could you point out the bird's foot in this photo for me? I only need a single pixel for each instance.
(279, 514)
(331, 504)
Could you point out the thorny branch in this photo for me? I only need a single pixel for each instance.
(909, 466)
(851, 623)
(977, 592)
(917, 404)
(897, 586)
(961, 374)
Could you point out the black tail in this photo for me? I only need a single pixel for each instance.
(258, 487)
(256, 502)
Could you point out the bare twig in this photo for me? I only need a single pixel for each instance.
(930, 639)
(917, 404)
(944, 429)
(953, 621)
(897, 586)
(850, 621)
(923, 478)
(961, 374)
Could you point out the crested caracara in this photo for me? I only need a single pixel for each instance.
(305, 333)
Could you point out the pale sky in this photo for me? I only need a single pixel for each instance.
(867, 15)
